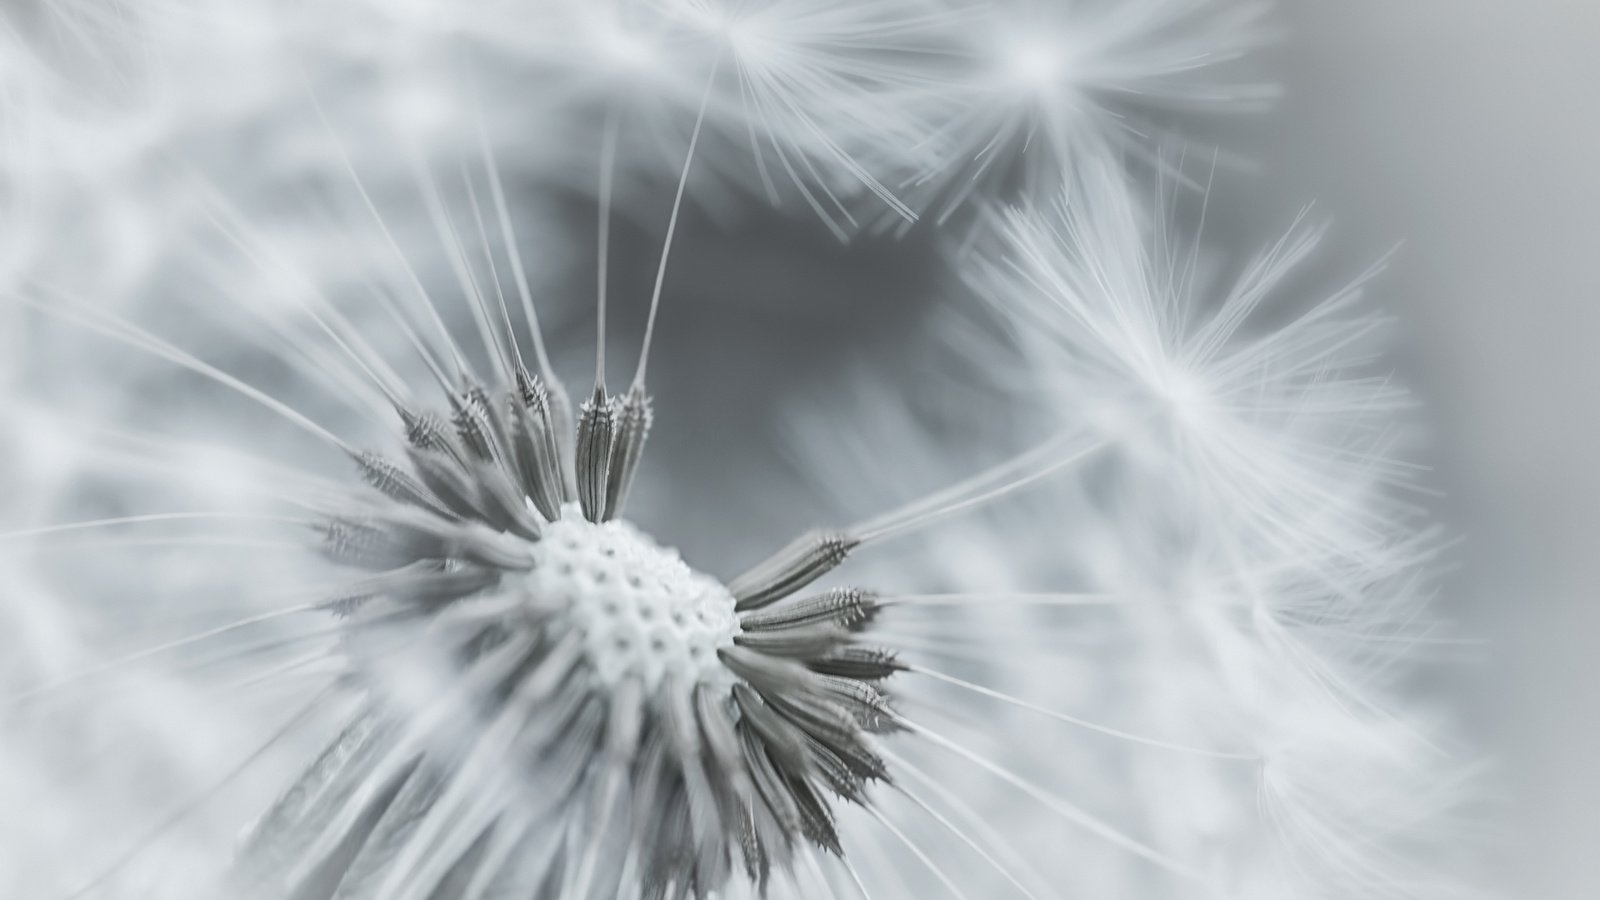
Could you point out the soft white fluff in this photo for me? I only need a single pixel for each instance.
(1163, 654)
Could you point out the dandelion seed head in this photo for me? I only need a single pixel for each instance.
(531, 664)
(527, 695)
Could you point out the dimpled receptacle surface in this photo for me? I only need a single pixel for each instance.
(641, 610)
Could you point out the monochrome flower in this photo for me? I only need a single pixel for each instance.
(348, 595)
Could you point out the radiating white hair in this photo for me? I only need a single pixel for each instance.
(306, 532)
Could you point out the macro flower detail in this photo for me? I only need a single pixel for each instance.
(590, 685)
(323, 585)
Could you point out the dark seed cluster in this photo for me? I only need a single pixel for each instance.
(484, 756)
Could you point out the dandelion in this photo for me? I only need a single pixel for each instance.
(792, 95)
(539, 684)
(437, 653)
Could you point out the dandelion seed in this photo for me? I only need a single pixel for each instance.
(1260, 426)
(1044, 88)
(577, 669)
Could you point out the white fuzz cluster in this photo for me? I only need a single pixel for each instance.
(325, 582)
(642, 611)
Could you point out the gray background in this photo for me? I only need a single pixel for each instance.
(1469, 130)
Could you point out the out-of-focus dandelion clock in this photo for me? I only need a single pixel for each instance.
(783, 97)
(1034, 88)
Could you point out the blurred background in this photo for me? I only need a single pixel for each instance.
(1470, 130)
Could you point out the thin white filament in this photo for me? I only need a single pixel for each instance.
(982, 488)
(1060, 807)
(1074, 720)
(986, 599)
(136, 337)
(508, 236)
(965, 839)
(514, 361)
(672, 228)
(148, 518)
(855, 877)
(444, 227)
(817, 875)
(232, 224)
(410, 271)
(608, 165)
(186, 541)
(189, 806)
(915, 850)
(149, 652)
(979, 824)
